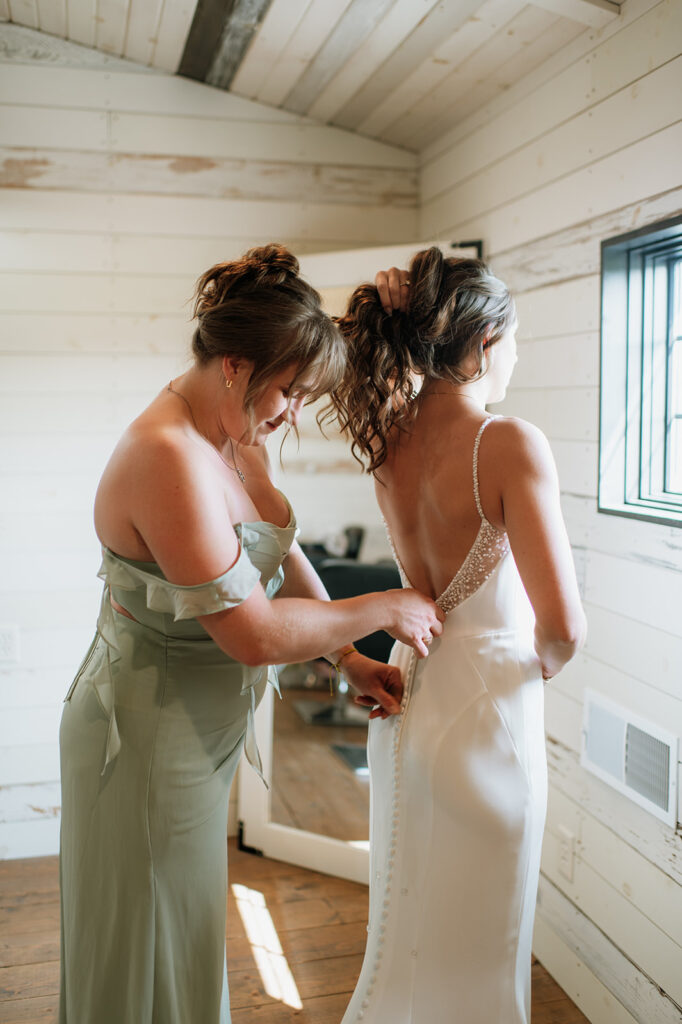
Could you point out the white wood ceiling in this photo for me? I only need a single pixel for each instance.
(403, 71)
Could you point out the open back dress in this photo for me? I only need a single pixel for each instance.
(457, 811)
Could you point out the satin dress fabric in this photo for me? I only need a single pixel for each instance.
(457, 811)
(152, 731)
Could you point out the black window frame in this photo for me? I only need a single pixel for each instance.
(641, 336)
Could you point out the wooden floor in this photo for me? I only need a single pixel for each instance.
(319, 921)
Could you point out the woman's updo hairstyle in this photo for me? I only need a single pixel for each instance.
(457, 309)
(258, 309)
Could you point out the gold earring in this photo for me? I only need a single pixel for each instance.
(228, 383)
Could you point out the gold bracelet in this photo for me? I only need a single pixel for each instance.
(349, 649)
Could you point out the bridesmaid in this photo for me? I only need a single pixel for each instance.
(196, 542)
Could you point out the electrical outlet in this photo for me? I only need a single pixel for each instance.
(566, 852)
(9, 645)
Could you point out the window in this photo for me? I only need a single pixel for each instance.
(640, 433)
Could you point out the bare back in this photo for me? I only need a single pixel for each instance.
(426, 492)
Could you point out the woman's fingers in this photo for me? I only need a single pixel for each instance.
(393, 288)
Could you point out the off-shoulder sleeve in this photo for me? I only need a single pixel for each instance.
(183, 602)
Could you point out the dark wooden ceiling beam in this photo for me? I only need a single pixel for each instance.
(219, 36)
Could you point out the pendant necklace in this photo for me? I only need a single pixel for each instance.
(235, 468)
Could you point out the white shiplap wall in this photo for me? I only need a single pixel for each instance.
(118, 187)
(586, 147)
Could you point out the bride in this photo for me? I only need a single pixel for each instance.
(459, 780)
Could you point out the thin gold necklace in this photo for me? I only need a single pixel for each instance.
(235, 468)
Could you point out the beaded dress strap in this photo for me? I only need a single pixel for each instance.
(477, 444)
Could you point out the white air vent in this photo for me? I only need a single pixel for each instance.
(634, 756)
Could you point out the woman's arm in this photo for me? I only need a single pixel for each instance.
(179, 508)
(538, 539)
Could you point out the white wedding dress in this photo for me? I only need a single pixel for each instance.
(458, 799)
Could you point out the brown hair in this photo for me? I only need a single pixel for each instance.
(257, 308)
(457, 308)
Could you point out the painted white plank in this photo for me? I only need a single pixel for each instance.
(577, 467)
(29, 839)
(131, 91)
(81, 21)
(567, 361)
(590, 968)
(618, 585)
(79, 454)
(630, 646)
(373, 51)
(440, 22)
(561, 310)
(608, 184)
(641, 883)
(66, 333)
(20, 726)
(81, 375)
(358, 22)
(112, 19)
(52, 17)
(563, 718)
(632, 539)
(32, 802)
(645, 697)
(24, 12)
(595, 13)
(40, 126)
(142, 30)
(606, 127)
(455, 48)
(90, 293)
(176, 21)
(481, 75)
(563, 413)
(575, 252)
(299, 143)
(647, 834)
(200, 176)
(640, 939)
(277, 28)
(591, 49)
(314, 28)
(33, 762)
(33, 209)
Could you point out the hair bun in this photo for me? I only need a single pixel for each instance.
(271, 264)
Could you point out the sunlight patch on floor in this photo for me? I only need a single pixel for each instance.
(278, 981)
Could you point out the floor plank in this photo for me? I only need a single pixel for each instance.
(320, 923)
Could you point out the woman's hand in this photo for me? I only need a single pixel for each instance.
(394, 289)
(416, 619)
(376, 684)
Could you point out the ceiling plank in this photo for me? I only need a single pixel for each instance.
(278, 27)
(361, 64)
(52, 17)
(171, 36)
(238, 31)
(24, 12)
(80, 21)
(463, 42)
(475, 76)
(142, 28)
(595, 13)
(112, 21)
(360, 19)
(313, 30)
(442, 20)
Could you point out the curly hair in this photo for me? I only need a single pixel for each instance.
(458, 308)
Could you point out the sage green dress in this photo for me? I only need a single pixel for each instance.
(152, 731)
